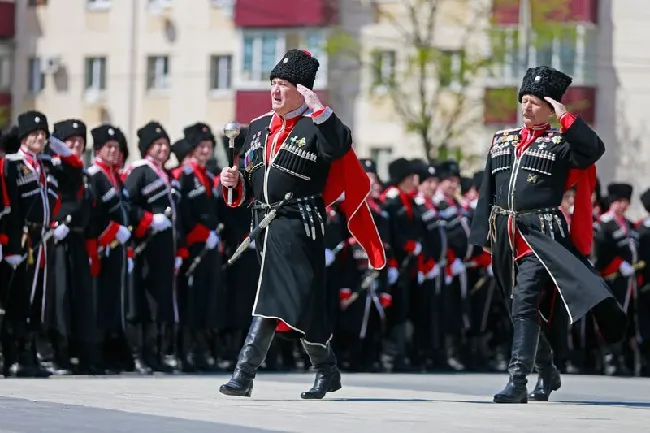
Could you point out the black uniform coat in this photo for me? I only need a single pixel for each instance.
(643, 303)
(33, 187)
(109, 213)
(532, 186)
(292, 281)
(150, 192)
(73, 284)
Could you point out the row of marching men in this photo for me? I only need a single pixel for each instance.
(438, 307)
(114, 267)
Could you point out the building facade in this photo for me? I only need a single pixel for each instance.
(7, 33)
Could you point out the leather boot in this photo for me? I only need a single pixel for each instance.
(328, 376)
(522, 357)
(549, 379)
(251, 356)
(136, 341)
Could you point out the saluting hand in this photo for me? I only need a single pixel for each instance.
(311, 98)
(559, 108)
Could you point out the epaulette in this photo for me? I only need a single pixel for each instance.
(14, 157)
(392, 192)
(262, 116)
(93, 170)
(503, 131)
(138, 163)
(419, 200)
(606, 217)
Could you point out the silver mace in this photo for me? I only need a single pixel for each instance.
(231, 130)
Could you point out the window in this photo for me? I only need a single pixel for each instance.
(572, 51)
(226, 6)
(36, 77)
(158, 73)
(98, 4)
(450, 70)
(383, 67)
(95, 74)
(261, 53)
(5, 72)
(221, 72)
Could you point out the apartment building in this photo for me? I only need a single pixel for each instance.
(7, 31)
(173, 61)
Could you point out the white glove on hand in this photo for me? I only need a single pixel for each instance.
(489, 271)
(457, 267)
(449, 279)
(418, 249)
(421, 278)
(123, 235)
(129, 265)
(393, 274)
(252, 245)
(178, 262)
(60, 232)
(212, 240)
(329, 257)
(433, 273)
(0, 253)
(59, 147)
(14, 260)
(626, 269)
(160, 222)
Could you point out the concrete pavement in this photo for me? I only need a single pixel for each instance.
(367, 403)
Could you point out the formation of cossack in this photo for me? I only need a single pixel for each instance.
(524, 266)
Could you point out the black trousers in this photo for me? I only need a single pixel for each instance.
(532, 278)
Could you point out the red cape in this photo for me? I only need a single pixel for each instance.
(581, 228)
(347, 177)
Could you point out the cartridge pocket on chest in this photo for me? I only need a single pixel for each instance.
(295, 161)
(501, 159)
(538, 161)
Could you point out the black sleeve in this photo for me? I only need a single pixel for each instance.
(334, 138)
(480, 223)
(134, 183)
(584, 147)
(13, 221)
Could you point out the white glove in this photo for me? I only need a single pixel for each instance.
(626, 269)
(418, 249)
(60, 232)
(433, 273)
(123, 235)
(457, 267)
(129, 265)
(0, 253)
(489, 271)
(252, 245)
(178, 263)
(14, 260)
(421, 278)
(393, 274)
(212, 240)
(160, 222)
(449, 279)
(329, 257)
(59, 147)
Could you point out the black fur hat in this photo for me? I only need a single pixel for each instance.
(543, 81)
(645, 200)
(31, 121)
(477, 179)
(124, 145)
(181, 149)
(103, 134)
(70, 128)
(449, 169)
(297, 67)
(619, 191)
(10, 141)
(400, 169)
(368, 165)
(150, 133)
(196, 133)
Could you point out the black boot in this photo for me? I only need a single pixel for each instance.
(251, 356)
(136, 338)
(328, 376)
(524, 346)
(549, 379)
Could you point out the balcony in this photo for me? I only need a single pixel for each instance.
(5, 110)
(7, 20)
(506, 12)
(500, 104)
(254, 103)
(295, 13)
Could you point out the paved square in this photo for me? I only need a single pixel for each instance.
(367, 403)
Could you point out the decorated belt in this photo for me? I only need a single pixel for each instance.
(260, 205)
